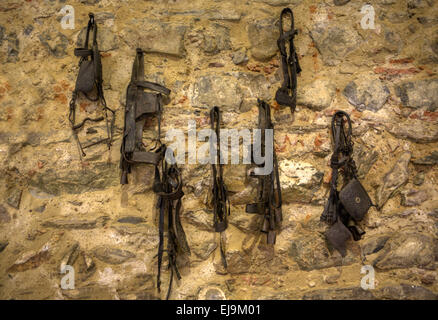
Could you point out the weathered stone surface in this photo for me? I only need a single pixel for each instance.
(419, 94)
(131, 219)
(4, 215)
(212, 90)
(412, 198)
(252, 87)
(418, 179)
(98, 177)
(331, 276)
(70, 256)
(406, 250)
(310, 252)
(90, 292)
(216, 39)
(55, 42)
(102, 17)
(394, 179)
(203, 249)
(211, 293)
(415, 130)
(239, 56)
(76, 223)
(340, 2)
(155, 36)
(14, 198)
(112, 255)
(2, 34)
(374, 244)
(427, 21)
(431, 159)
(364, 159)
(276, 3)
(414, 4)
(263, 35)
(246, 222)
(200, 218)
(299, 180)
(335, 42)
(366, 94)
(317, 95)
(398, 292)
(3, 245)
(406, 292)
(12, 48)
(32, 259)
(428, 279)
(393, 41)
(226, 13)
(339, 294)
(143, 235)
(65, 196)
(238, 262)
(106, 39)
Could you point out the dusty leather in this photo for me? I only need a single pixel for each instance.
(269, 201)
(89, 83)
(140, 105)
(221, 203)
(169, 191)
(345, 208)
(287, 94)
(355, 199)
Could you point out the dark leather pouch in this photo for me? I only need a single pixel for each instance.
(355, 199)
(338, 235)
(85, 80)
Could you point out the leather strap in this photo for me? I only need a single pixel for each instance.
(147, 157)
(167, 179)
(269, 199)
(153, 86)
(169, 191)
(85, 53)
(287, 93)
(342, 158)
(139, 106)
(221, 203)
(82, 52)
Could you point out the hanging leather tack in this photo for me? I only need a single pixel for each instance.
(141, 105)
(269, 190)
(287, 94)
(221, 203)
(345, 208)
(89, 79)
(169, 191)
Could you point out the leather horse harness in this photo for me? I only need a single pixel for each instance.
(141, 105)
(343, 209)
(90, 78)
(269, 200)
(287, 94)
(221, 203)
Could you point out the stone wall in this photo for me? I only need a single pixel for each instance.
(57, 210)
